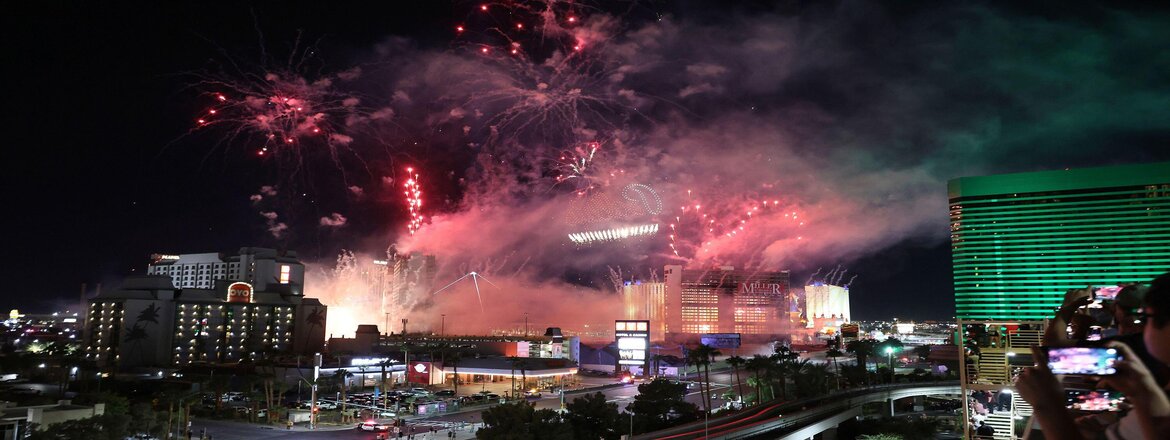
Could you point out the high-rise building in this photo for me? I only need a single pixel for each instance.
(725, 300)
(257, 266)
(826, 305)
(1019, 241)
(647, 301)
(150, 322)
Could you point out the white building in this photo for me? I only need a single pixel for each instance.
(826, 305)
(256, 266)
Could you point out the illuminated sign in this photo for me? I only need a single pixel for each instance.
(419, 372)
(381, 262)
(362, 362)
(720, 340)
(633, 339)
(760, 288)
(164, 257)
(239, 293)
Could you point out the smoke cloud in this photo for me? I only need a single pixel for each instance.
(847, 119)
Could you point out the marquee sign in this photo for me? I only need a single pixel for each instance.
(239, 293)
(633, 339)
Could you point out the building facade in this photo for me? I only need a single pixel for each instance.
(646, 300)
(256, 266)
(724, 300)
(826, 306)
(1019, 241)
(150, 323)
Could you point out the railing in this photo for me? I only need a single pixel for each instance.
(808, 411)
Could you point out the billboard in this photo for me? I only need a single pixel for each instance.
(239, 293)
(419, 372)
(633, 340)
(720, 340)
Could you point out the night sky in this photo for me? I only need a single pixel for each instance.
(857, 112)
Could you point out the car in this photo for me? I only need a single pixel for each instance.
(371, 425)
(533, 393)
(327, 405)
(420, 391)
(386, 414)
(445, 393)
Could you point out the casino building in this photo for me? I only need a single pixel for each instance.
(150, 322)
(1019, 241)
(756, 304)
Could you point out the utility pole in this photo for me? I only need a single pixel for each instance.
(388, 330)
(525, 325)
(443, 326)
(316, 375)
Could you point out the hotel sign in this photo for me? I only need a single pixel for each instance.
(239, 293)
(760, 288)
(633, 339)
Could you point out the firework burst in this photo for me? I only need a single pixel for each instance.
(414, 200)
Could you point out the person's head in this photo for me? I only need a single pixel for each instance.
(1126, 306)
(1157, 310)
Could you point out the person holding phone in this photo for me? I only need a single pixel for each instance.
(1150, 416)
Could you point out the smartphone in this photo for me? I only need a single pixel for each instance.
(1107, 293)
(1094, 361)
(1093, 400)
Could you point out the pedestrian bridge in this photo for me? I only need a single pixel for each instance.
(802, 419)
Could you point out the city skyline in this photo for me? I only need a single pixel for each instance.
(117, 167)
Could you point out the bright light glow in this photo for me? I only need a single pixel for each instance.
(413, 200)
(615, 234)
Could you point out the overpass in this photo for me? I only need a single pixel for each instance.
(800, 419)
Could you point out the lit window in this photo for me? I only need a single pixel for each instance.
(285, 271)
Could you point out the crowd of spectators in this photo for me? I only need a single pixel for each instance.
(1137, 324)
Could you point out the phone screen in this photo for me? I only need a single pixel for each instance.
(1108, 293)
(1094, 400)
(1097, 361)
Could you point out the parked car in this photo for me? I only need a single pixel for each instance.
(420, 391)
(445, 393)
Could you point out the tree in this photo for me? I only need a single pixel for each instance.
(735, 362)
(702, 356)
(660, 404)
(103, 427)
(923, 352)
(454, 359)
(342, 377)
(862, 349)
(832, 355)
(759, 365)
(591, 417)
(522, 421)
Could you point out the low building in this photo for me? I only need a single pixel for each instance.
(17, 421)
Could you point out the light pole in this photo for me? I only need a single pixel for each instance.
(525, 325)
(890, 362)
(443, 325)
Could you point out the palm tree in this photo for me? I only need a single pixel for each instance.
(698, 357)
(711, 353)
(759, 366)
(454, 358)
(342, 376)
(735, 362)
(833, 354)
(863, 349)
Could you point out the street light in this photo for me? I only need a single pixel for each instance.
(890, 362)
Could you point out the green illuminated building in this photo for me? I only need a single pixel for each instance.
(1019, 241)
